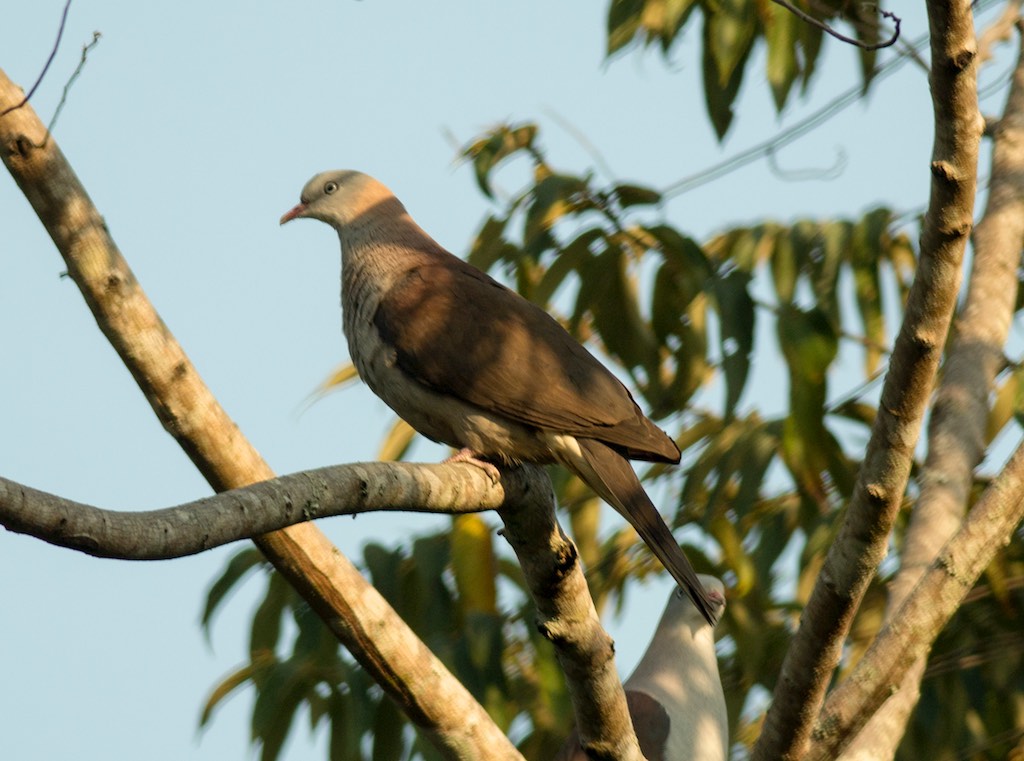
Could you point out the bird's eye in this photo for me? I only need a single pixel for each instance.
(330, 187)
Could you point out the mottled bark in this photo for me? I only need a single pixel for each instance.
(957, 429)
(862, 539)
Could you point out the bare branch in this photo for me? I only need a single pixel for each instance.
(809, 19)
(568, 619)
(353, 610)
(925, 612)
(46, 66)
(71, 80)
(957, 435)
(861, 543)
(203, 524)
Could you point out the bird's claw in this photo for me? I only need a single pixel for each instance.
(469, 456)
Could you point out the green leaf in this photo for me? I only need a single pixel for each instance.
(396, 442)
(623, 23)
(785, 267)
(237, 569)
(635, 195)
(571, 258)
(676, 14)
(227, 686)
(490, 245)
(781, 34)
(810, 37)
(869, 239)
(474, 564)
(388, 738)
(491, 150)
(277, 702)
(612, 300)
(266, 622)
(730, 26)
(552, 199)
(808, 340)
(736, 315)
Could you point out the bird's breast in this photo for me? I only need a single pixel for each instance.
(440, 416)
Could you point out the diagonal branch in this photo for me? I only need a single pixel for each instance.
(862, 539)
(413, 677)
(957, 430)
(925, 612)
(354, 611)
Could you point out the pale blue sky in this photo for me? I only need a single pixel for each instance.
(194, 126)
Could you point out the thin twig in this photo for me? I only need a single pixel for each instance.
(808, 18)
(53, 53)
(71, 80)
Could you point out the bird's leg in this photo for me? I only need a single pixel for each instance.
(469, 456)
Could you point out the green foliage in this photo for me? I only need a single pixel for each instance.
(732, 30)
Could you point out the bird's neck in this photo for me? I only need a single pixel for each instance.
(377, 250)
(672, 646)
(383, 243)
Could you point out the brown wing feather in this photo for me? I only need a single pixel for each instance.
(651, 723)
(460, 332)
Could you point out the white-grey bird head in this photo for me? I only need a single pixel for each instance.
(339, 197)
(680, 610)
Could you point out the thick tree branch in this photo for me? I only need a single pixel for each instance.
(357, 614)
(861, 543)
(203, 524)
(568, 619)
(957, 429)
(932, 603)
(354, 611)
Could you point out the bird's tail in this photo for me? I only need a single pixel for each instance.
(613, 478)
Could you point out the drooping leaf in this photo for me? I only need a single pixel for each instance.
(736, 316)
(397, 441)
(473, 563)
(276, 704)
(266, 622)
(781, 33)
(623, 23)
(241, 563)
(489, 151)
(635, 195)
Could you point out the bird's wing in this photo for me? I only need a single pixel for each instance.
(651, 723)
(460, 332)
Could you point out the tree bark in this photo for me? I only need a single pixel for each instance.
(197, 526)
(957, 435)
(924, 613)
(862, 539)
(357, 614)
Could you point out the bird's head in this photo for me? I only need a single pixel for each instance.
(338, 197)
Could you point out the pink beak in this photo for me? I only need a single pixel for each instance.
(293, 213)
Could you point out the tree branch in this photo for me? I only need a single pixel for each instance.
(203, 524)
(354, 611)
(809, 19)
(568, 619)
(957, 430)
(861, 542)
(357, 614)
(921, 617)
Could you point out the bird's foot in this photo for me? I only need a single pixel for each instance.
(469, 456)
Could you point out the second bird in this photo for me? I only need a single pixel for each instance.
(472, 364)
